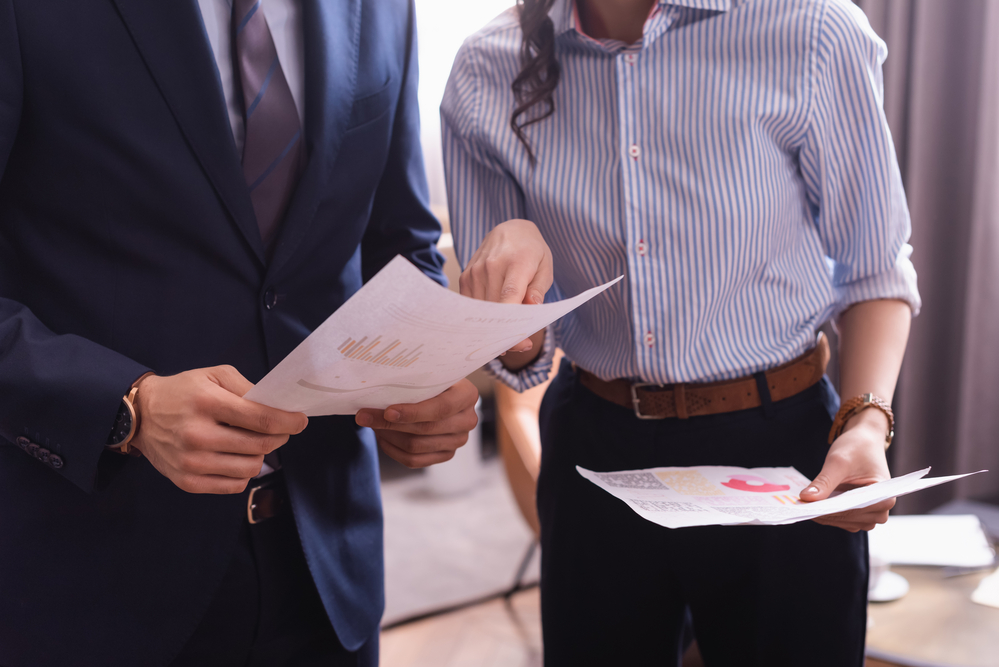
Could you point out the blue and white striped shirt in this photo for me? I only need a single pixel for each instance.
(735, 165)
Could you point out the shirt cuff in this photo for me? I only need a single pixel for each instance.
(531, 375)
(898, 283)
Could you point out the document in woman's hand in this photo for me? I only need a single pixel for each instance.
(722, 495)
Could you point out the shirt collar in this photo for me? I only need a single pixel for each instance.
(562, 11)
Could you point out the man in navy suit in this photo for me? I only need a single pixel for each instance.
(188, 189)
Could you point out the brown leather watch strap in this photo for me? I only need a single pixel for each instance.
(857, 404)
(652, 401)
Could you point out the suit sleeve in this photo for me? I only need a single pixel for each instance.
(401, 222)
(59, 394)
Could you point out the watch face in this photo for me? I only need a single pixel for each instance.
(122, 425)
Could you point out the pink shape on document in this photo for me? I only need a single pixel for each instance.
(753, 483)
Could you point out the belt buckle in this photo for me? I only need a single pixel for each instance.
(636, 402)
(250, 505)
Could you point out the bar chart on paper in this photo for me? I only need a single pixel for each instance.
(402, 338)
(357, 350)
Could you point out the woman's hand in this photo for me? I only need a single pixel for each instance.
(872, 337)
(856, 458)
(513, 265)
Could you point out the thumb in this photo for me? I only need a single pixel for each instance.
(536, 292)
(534, 297)
(829, 478)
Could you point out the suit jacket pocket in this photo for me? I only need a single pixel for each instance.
(371, 107)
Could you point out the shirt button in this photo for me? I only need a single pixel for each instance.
(270, 299)
(641, 248)
(634, 151)
(630, 58)
(649, 339)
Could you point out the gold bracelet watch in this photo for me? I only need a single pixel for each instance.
(126, 423)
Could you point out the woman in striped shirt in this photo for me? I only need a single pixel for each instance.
(732, 160)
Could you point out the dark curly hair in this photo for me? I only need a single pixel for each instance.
(539, 71)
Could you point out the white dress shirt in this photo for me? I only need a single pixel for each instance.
(284, 17)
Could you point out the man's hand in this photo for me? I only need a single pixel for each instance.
(198, 431)
(513, 265)
(856, 458)
(422, 434)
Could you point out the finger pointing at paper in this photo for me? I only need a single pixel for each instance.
(513, 265)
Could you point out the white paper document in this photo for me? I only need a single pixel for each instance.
(933, 539)
(402, 338)
(722, 495)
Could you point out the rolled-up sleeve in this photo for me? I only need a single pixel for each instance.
(481, 193)
(852, 179)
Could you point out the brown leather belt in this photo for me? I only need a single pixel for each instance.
(656, 401)
(267, 498)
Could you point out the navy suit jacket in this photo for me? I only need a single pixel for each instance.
(128, 243)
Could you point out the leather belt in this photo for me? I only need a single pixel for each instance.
(267, 499)
(656, 401)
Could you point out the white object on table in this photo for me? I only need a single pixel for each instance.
(987, 592)
(954, 540)
(890, 586)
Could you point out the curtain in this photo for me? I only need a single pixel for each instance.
(942, 104)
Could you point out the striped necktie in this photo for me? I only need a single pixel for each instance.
(273, 154)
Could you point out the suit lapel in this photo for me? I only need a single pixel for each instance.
(170, 36)
(331, 30)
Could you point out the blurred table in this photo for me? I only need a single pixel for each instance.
(936, 624)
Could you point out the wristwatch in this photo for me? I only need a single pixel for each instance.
(855, 405)
(126, 422)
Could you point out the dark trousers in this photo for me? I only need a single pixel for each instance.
(615, 588)
(267, 611)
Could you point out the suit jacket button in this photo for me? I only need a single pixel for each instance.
(43, 455)
(23, 442)
(33, 449)
(55, 461)
(270, 299)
